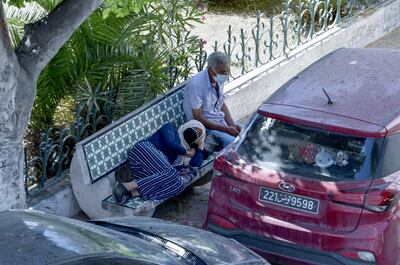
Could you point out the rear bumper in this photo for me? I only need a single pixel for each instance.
(271, 249)
(275, 238)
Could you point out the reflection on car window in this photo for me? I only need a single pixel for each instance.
(308, 152)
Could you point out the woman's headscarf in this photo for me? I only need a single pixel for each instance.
(199, 139)
(192, 124)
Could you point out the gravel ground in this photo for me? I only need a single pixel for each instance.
(215, 27)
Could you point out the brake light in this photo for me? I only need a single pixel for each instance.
(375, 198)
(219, 163)
(379, 201)
(358, 255)
(221, 166)
(352, 254)
(224, 166)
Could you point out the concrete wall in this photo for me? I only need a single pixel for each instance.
(57, 199)
(246, 93)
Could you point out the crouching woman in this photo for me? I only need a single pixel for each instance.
(154, 162)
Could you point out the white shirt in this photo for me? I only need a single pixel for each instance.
(200, 94)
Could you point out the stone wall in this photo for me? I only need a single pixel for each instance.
(57, 199)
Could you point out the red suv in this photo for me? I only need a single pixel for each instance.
(315, 176)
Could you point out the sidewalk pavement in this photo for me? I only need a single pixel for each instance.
(190, 207)
(389, 41)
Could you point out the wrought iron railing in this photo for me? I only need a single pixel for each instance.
(276, 36)
(270, 38)
(51, 158)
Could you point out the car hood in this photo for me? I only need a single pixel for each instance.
(32, 237)
(210, 247)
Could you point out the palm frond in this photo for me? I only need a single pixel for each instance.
(48, 5)
(92, 97)
(54, 83)
(101, 65)
(133, 91)
(31, 12)
(131, 56)
(118, 31)
(18, 17)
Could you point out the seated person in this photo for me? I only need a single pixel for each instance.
(151, 161)
(204, 100)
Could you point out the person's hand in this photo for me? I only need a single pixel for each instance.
(238, 128)
(232, 130)
(194, 146)
(191, 152)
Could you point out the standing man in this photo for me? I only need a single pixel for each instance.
(204, 99)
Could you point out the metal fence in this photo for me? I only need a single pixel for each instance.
(276, 36)
(269, 39)
(50, 159)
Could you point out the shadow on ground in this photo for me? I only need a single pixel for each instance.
(190, 207)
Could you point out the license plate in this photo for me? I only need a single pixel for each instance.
(288, 200)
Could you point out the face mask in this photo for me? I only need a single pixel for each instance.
(220, 78)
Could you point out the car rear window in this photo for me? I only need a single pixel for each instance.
(308, 152)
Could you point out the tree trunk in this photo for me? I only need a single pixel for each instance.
(19, 71)
(12, 126)
(16, 104)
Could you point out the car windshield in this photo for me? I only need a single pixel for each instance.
(308, 152)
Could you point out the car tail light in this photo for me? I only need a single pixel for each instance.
(219, 164)
(352, 254)
(221, 222)
(358, 255)
(379, 201)
(375, 198)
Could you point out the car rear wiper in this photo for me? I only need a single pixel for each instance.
(311, 174)
(183, 254)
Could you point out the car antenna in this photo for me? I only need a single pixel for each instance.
(329, 99)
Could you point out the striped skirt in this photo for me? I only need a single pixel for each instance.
(154, 175)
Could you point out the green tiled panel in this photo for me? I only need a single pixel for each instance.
(109, 150)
